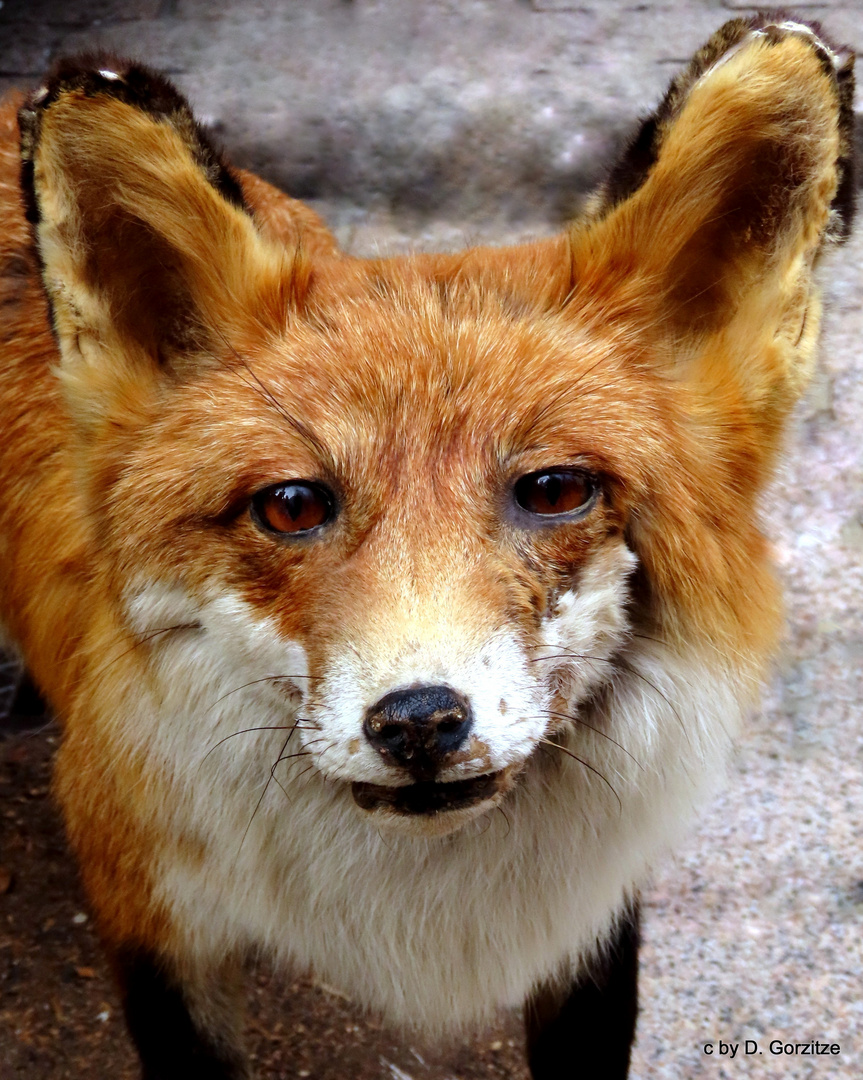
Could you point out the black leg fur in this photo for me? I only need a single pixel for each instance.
(27, 709)
(171, 1045)
(587, 1032)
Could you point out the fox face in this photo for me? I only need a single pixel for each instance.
(388, 586)
(407, 545)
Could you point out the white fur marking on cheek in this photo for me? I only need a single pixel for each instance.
(152, 606)
(589, 624)
(233, 630)
(231, 677)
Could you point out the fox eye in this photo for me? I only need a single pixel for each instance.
(553, 492)
(297, 506)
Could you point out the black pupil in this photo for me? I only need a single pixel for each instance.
(294, 499)
(551, 486)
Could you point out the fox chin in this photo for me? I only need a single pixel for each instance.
(399, 612)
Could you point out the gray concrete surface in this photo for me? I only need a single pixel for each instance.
(435, 124)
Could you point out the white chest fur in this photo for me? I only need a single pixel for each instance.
(432, 932)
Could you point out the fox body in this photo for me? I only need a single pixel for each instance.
(398, 611)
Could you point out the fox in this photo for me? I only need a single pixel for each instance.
(399, 612)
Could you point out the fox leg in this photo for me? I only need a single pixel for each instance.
(585, 1032)
(184, 1029)
(28, 706)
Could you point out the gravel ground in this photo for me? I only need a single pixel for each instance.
(419, 125)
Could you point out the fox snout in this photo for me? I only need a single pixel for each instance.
(424, 731)
(419, 729)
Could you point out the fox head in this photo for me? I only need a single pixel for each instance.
(418, 519)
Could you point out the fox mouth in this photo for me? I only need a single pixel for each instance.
(426, 798)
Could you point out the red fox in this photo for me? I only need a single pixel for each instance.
(399, 611)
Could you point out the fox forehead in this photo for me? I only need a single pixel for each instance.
(401, 379)
(420, 411)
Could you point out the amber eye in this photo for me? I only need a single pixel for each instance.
(294, 507)
(555, 491)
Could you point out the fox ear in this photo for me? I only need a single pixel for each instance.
(712, 222)
(150, 258)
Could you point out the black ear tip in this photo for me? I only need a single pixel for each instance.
(103, 74)
(99, 73)
(634, 165)
(96, 66)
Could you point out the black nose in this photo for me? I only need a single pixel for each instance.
(418, 728)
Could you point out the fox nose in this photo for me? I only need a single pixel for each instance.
(419, 728)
